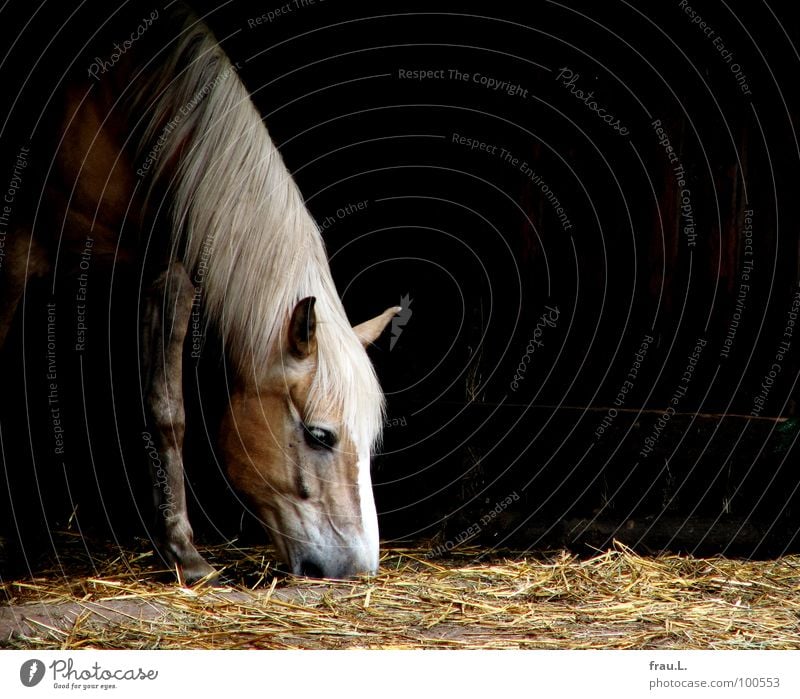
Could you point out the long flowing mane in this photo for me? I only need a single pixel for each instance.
(248, 240)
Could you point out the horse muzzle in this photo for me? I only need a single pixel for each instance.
(320, 556)
(341, 565)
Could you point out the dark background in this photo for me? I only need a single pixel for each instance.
(477, 247)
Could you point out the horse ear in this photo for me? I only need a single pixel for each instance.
(370, 330)
(303, 329)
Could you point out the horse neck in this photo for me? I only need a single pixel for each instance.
(246, 236)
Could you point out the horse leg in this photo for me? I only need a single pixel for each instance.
(25, 258)
(168, 307)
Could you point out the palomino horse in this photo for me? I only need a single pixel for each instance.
(161, 158)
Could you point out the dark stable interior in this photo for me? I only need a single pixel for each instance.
(594, 317)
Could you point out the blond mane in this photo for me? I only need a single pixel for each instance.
(248, 240)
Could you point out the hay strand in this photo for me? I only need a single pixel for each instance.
(615, 599)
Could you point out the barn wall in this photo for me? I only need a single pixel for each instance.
(523, 231)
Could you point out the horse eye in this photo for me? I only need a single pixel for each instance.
(320, 438)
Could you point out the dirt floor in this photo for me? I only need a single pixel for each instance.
(468, 600)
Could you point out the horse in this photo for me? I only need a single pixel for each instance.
(160, 158)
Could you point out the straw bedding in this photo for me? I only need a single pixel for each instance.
(468, 600)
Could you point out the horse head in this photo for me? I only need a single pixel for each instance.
(291, 450)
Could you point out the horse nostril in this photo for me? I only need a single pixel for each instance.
(310, 569)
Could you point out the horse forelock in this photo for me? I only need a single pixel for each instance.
(248, 240)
